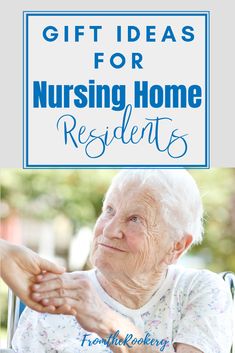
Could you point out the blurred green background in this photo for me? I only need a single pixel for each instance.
(77, 195)
(35, 204)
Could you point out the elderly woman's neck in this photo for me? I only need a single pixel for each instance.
(132, 292)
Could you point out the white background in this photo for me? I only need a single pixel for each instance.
(168, 62)
(222, 69)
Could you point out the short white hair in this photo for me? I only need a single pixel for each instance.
(177, 194)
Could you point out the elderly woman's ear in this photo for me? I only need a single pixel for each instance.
(182, 245)
(178, 248)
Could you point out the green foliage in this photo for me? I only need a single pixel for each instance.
(218, 193)
(45, 194)
(3, 306)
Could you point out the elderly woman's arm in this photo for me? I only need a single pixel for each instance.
(72, 293)
(185, 348)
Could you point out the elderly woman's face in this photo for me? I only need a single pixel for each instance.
(128, 235)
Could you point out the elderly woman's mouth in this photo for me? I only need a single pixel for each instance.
(110, 247)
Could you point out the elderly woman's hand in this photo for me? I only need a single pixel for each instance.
(72, 293)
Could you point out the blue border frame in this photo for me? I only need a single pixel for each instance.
(26, 15)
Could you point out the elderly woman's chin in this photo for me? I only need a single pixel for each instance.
(105, 261)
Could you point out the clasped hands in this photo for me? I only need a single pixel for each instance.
(72, 294)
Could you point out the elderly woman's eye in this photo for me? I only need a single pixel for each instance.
(134, 219)
(109, 209)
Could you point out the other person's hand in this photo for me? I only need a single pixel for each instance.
(19, 267)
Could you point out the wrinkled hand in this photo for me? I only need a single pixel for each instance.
(72, 293)
(19, 266)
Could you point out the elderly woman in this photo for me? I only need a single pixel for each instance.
(135, 299)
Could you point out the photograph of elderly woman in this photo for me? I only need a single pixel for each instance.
(144, 250)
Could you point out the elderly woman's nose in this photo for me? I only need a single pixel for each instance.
(113, 228)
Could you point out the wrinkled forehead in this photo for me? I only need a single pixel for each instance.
(132, 192)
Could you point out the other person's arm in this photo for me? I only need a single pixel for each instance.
(18, 268)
